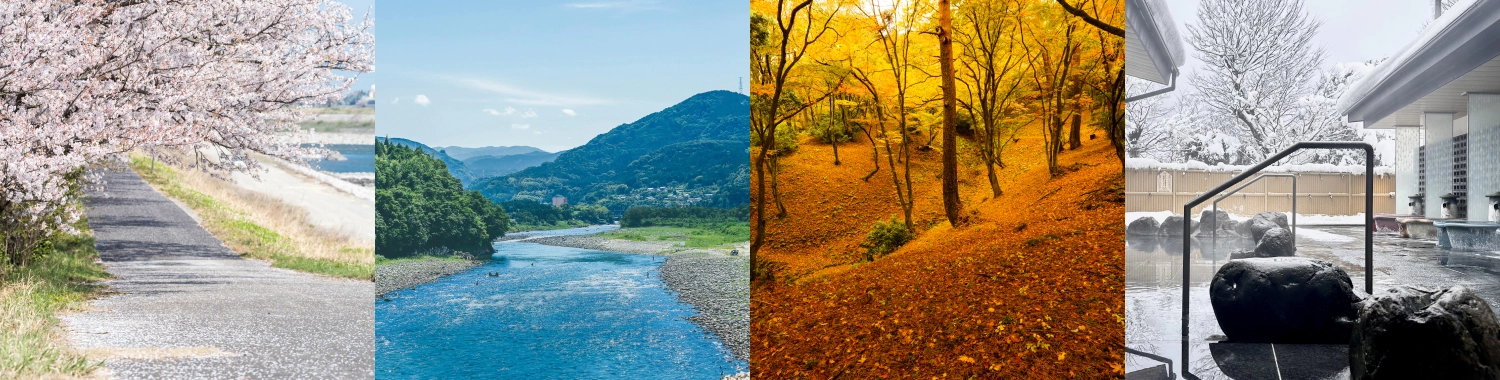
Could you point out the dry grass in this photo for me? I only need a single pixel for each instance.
(243, 212)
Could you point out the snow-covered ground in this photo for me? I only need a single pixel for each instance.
(1302, 219)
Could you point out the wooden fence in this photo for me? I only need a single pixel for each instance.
(1317, 193)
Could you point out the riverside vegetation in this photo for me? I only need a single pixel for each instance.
(419, 206)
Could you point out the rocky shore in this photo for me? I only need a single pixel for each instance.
(405, 274)
(715, 283)
(599, 243)
(719, 288)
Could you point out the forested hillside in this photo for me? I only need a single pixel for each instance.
(693, 153)
(419, 206)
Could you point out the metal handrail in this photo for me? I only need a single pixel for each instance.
(1215, 233)
(1187, 212)
(1156, 357)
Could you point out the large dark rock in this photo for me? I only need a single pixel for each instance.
(1283, 300)
(1258, 226)
(1172, 226)
(1144, 226)
(1277, 217)
(1230, 226)
(1277, 242)
(1209, 221)
(1414, 333)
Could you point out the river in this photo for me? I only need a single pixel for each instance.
(548, 313)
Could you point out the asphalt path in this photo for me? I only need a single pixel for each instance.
(183, 306)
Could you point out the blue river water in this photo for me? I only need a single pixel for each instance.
(359, 159)
(549, 313)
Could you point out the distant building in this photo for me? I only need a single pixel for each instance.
(558, 200)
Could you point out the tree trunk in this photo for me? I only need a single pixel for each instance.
(834, 139)
(1074, 142)
(951, 204)
(776, 190)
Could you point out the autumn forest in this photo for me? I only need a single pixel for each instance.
(936, 188)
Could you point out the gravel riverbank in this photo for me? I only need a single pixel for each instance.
(406, 274)
(716, 284)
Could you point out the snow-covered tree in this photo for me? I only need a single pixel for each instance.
(86, 81)
(1150, 131)
(1260, 70)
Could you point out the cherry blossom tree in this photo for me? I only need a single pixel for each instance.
(83, 82)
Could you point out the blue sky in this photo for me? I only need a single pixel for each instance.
(549, 74)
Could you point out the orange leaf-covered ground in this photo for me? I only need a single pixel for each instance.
(1032, 287)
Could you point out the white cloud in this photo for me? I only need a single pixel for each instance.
(491, 111)
(517, 95)
(520, 126)
(395, 100)
(510, 110)
(422, 100)
(569, 112)
(529, 114)
(617, 5)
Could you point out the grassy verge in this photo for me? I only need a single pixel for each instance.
(293, 246)
(32, 345)
(710, 236)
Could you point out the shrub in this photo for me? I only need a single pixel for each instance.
(885, 238)
(786, 139)
(828, 129)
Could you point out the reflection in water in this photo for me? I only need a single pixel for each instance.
(1153, 296)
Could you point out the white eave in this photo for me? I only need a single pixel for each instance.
(1454, 56)
(1153, 50)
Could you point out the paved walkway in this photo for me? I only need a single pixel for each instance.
(187, 307)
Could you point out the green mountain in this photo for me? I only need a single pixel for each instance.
(455, 166)
(498, 165)
(693, 153)
(465, 154)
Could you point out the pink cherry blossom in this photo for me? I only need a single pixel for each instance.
(83, 82)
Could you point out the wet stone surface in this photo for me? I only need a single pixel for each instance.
(1154, 279)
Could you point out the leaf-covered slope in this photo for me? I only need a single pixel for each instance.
(700, 143)
(491, 165)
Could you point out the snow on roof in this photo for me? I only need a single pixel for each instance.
(1151, 164)
(1151, 33)
(1463, 22)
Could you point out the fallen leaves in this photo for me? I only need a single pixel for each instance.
(970, 302)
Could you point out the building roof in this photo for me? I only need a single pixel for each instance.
(1153, 50)
(1454, 56)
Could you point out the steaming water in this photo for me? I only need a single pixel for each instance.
(551, 313)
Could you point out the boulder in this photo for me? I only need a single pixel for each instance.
(1172, 226)
(1231, 226)
(1283, 300)
(1414, 333)
(1144, 226)
(1278, 217)
(1258, 226)
(1277, 242)
(1209, 221)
